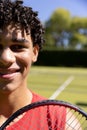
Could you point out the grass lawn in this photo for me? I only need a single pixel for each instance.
(46, 80)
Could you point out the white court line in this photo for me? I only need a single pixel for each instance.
(62, 87)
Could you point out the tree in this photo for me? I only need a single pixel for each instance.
(57, 24)
(62, 29)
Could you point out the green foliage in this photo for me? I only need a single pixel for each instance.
(80, 38)
(65, 31)
(78, 23)
(60, 19)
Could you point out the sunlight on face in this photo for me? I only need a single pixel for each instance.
(15, 32)
(16, 57)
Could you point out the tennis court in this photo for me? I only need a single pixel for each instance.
(68, 84)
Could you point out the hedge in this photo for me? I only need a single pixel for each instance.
(69, 58)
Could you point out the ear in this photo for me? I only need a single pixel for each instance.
(35, 53)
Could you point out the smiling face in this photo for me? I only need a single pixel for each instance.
(17, 54)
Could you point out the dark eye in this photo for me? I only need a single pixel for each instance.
(16, 48)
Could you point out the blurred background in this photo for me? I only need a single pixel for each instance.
(65, 23)
(62, 65)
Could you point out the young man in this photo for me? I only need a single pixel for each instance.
(21, 38)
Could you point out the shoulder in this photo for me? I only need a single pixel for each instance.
(37, 97)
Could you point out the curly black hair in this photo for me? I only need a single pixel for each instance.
(16, 12)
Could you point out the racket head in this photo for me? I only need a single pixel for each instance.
(75, 116)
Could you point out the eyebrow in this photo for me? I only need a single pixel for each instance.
(22, 40)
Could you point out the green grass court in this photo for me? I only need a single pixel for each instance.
(46, 80)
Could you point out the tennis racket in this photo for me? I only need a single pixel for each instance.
(47, 115)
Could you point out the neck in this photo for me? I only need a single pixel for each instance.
(9, 103)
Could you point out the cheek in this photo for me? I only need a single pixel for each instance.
(25, 60)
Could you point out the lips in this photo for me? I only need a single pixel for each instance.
(9, 73)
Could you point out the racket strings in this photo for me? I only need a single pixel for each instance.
(13, 122)
(75, 120)
(50, 117)
(44, 122)
(71, 117)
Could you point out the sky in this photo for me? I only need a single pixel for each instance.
(45, 8)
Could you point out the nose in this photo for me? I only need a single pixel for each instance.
(6, 57)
